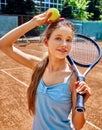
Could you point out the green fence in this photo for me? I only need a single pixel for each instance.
(88, 28)
(7, 23)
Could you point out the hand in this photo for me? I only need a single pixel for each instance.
(43, 18)
(83, 88)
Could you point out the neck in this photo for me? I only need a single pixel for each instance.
(56, 64)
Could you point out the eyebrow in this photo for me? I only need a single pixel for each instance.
(61, 35)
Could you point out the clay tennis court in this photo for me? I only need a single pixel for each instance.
(14, 80)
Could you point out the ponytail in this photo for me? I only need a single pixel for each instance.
(31, 92)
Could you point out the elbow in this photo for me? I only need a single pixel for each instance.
(79, 125)
(1, 45)
(78, 121)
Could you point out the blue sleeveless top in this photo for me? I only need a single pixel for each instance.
(53, 105)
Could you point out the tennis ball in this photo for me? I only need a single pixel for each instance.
(55, 14)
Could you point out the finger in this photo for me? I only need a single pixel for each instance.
(61, 19)
(82, 83)
(81, 88)
(49, 21)
(84, 91)
(46, 15)
(76, 84)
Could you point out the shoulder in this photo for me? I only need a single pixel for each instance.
(72, 82)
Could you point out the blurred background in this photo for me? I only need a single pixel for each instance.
(86, 15)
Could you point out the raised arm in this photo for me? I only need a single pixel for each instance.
(7, 41)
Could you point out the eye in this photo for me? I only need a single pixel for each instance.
(68, 40)
(58, 38)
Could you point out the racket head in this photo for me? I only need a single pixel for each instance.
(85, 51)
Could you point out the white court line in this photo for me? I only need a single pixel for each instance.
(12, 68)
(15, 78)
(96, 127)
(38, 51)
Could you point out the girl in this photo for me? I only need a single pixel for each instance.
(53, 88)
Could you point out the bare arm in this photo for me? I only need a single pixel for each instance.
(7, 41)
(78, 118)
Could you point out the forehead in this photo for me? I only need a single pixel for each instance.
(63, 31)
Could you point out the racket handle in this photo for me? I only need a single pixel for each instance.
(80, 97)
(80, 103)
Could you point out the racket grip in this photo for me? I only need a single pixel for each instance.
(80, 103)
(80, 98)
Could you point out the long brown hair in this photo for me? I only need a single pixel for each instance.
(41, 66)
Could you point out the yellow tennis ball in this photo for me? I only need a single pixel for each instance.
(55, 14)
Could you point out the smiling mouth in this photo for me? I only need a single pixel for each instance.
(62, 50)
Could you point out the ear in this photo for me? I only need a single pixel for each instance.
(46, 42)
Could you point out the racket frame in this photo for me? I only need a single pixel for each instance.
(81, 77)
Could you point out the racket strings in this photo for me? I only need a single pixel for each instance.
(84, 51)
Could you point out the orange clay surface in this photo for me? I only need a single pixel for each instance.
(14, 80)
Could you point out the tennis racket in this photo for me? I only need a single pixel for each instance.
(85, 54)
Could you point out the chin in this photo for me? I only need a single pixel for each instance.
(61, 57)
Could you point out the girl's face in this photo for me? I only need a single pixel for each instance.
(59, 43)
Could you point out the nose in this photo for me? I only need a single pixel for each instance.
(67, 43)
(64, 42)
